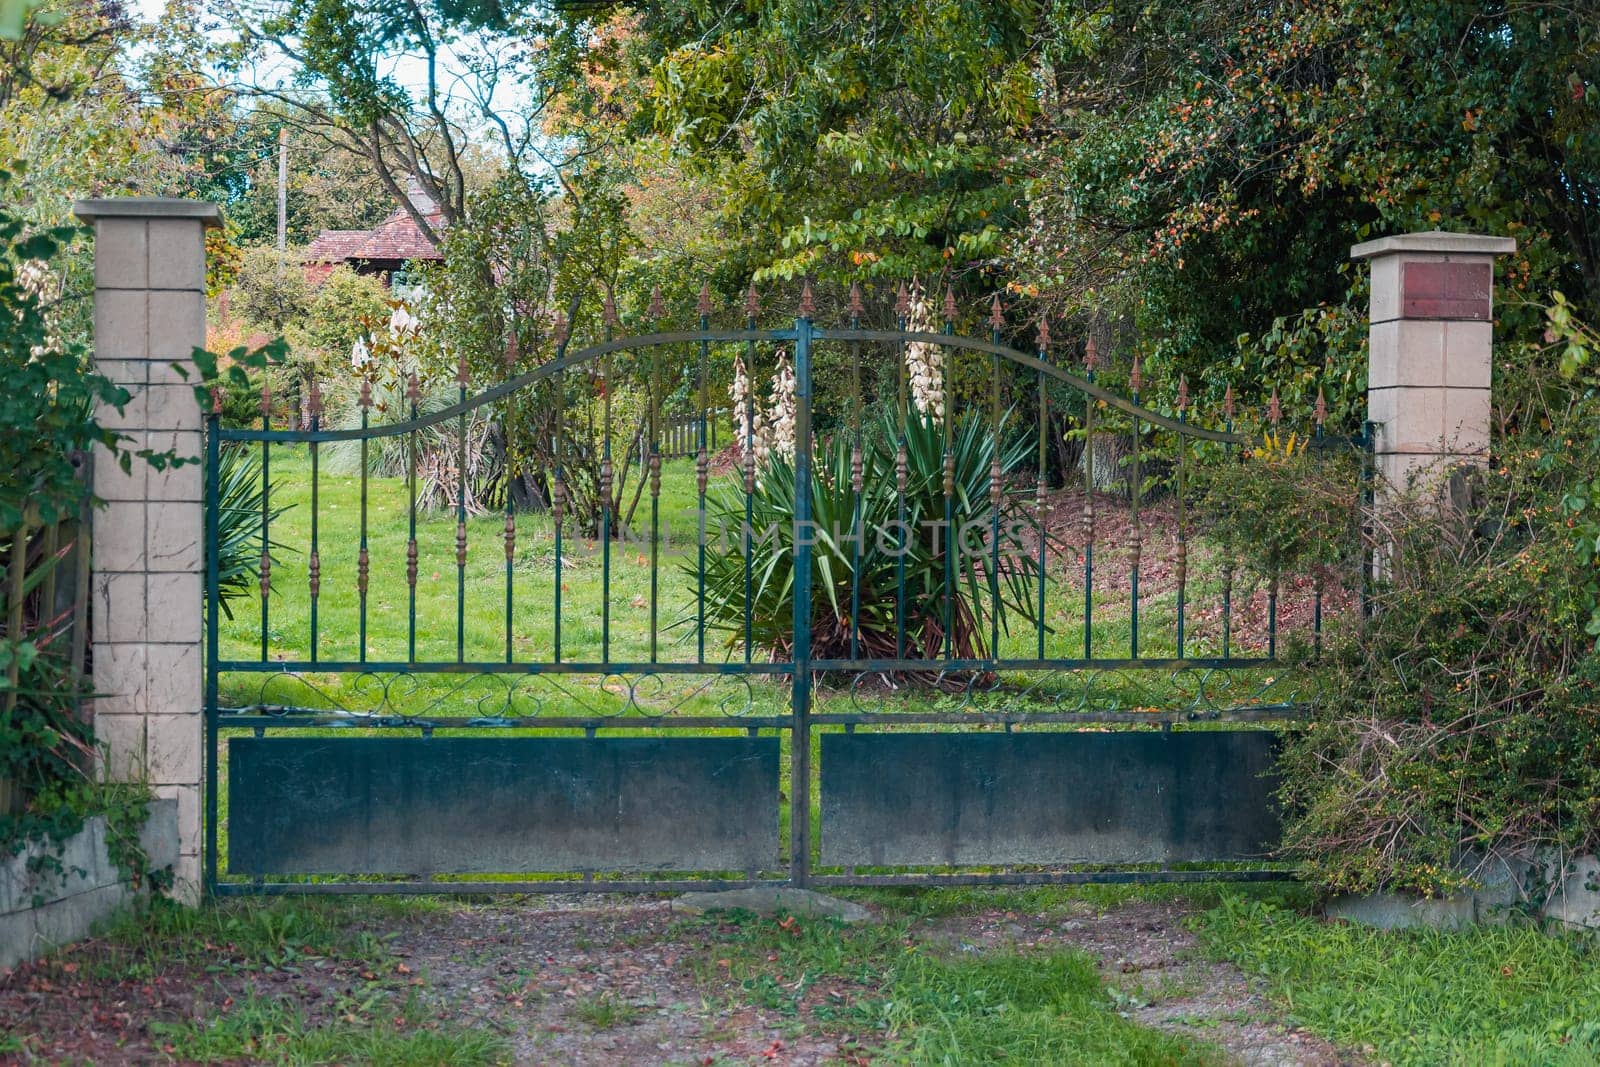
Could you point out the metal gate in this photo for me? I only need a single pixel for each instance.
(1004, 715)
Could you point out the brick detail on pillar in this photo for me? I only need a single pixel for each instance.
(1430, 346)
(149, 314)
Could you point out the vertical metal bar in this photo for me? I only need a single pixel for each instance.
(511, 546)
(657, 311)
(1317, 578)
(1227, 562)
(752, 308)
(265, 572)
(1183, 524)
(902, 314)
(800, 771)
(701, 473)
(558, 511)
(1043, 475)
(996, 492)
(1090, 360)
(1368, 550)
(1274, 415)
(414, 395)
(950, 546)
(461, 512)
(1135, 383)
(314, 563)
(213, 625)
(857, 481)
(606, 471)
(363, 560)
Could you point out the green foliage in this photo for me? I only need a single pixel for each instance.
(346, 307)
(918, 550)
(1210, 165)
(240, 493)
(47, 399)
(1504, 995)
(272, 292)
(1459, 719)
(1280, 506)
(853, 140)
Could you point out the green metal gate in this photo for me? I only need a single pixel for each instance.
(619, 752)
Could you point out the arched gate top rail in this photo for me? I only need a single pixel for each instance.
(566, 361)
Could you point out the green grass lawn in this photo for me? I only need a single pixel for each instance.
(486, 632)
(1502, 996)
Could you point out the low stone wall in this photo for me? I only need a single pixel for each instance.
(42, 909)
(1565, 890)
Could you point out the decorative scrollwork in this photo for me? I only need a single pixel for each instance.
(1194, 692)
(492, 699)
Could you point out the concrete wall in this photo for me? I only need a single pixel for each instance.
(42, 909)
(145, 589)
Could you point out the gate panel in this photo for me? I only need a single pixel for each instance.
(1047, 798)
(410, 805)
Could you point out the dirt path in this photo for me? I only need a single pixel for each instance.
(594, 981)
(1147, 956)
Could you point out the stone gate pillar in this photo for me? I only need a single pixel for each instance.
(147, 542)
(1431, 333)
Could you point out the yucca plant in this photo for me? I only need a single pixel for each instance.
(896, 547)
(239, 518)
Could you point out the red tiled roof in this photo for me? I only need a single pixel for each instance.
(334, 246)
(398, 237)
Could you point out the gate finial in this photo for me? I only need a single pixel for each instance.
(1044, 332)
(563, 329)
(808, 303)
(997, 317)
(1322, 408)
(950, 303)
(902, 302)
(857, 306)
(1136, 376)
(658, 307)
(752, 302)
(1183, 393)
(413, 388)
(314, 399)
(703, 307)
(1227, 403)
(463, 377)
(1091, 355)
(365, 399)
(609, 309)
(216, 400)
(1274, 409)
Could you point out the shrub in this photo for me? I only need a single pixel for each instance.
(1459, 720)
(239, 496)
(1280, 506)
(347, 306)
(885, 545)
(272, 290)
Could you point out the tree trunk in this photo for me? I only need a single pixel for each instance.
(1110, 470)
